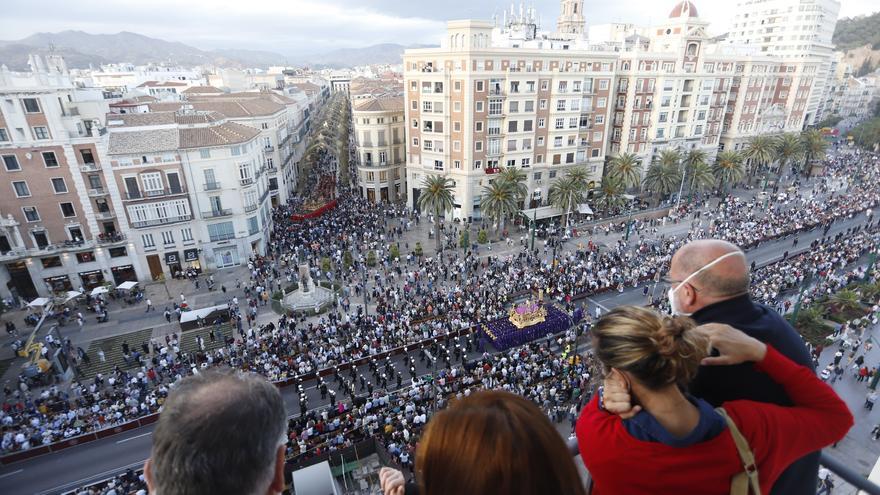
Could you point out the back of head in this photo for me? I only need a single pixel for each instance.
(657, 350)
(219, 432)
(494, 442)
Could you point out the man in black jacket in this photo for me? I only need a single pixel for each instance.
(709, 281)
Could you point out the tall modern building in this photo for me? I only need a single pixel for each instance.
(791, 29)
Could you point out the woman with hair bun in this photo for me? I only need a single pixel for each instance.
(678, 444)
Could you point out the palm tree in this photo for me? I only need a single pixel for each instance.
(564, 193)
(728, 168)
(500, 201)
(517, 179)
(626, 167)
(663, 178)
(760, 150)
(436, 197)
(789, 149)
(694, 160)
(669, 157)
(611, 192)
(845, 300)
(814, 146)
(579, 175)
(701, 176)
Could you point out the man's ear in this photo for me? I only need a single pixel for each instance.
(148, 475)
(277, 485)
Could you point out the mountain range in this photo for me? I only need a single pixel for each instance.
(81, 50)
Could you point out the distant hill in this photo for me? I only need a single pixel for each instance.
(859, 39)
(385, 53)
(858, 31)
(81, 49)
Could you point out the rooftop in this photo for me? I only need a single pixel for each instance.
(218, 135)
(202, 90)
(387, 104)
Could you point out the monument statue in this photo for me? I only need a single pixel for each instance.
(305, 278)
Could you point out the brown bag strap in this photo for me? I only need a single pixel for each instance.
(748, 478)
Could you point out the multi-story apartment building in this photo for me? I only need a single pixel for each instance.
(380, 134)
(852, 97)
(279, 119)
(509, 96)
(474, 106)
(791, 29)
(60, 230)
(193, 187)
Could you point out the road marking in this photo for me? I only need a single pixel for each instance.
(597, 303)
(11, 473)
(132, 438)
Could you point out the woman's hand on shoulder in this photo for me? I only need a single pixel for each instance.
(733, 346)
(391, 481)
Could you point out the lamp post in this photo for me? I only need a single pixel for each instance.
(797, 306)
(681, 186)
(629, 221)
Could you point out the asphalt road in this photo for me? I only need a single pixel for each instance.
(73, 467)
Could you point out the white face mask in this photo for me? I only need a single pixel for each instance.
(671, 293)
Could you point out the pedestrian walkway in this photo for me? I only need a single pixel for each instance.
(112, 349)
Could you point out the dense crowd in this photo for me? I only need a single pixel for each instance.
(417, 297)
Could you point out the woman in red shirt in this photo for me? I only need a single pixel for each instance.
(679, 444)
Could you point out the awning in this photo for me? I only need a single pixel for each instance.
(542, 213)
(99, 290)
(127, 285)
(38, 302)
(71, 295)
(585, 209)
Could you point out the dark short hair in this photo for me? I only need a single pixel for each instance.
(218, 432)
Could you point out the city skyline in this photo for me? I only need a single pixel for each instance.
(305, 27)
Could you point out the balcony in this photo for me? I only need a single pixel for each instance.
(223, 237)
(250, 208)
(211, 186)
(160, 221)
(246, 181)
(89, 167)
(97, 192)
(110, 238)
(268, 149)
(217, 213)
(105, 215)
(154, 193)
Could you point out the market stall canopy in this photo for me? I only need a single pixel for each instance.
(99, 290)
(71, 295)
(39, 302)
(126, 286)
(542, 213)
(585, 209)
(188, 316)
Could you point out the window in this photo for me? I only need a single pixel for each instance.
(21, 189)
(67, 210)
(557, 142)
(479, 106)
(30, 213)
(427, 106)
(4, 136)
(480, 86)
(11, 163)
(527, 126)
(603, 84)
(495, 107)
(51, 262)
(31, 105)
(512, 126)
(560, 105)
(601, 102)
(542, 104)
(148, 240)
(456, 106)
(600, 119)
(560, 123)
(41, 132)
(152, 182)
(253, 225)
(86, 257)
(204, 153)
(456, 126)
(87, 156)
(456, 86)
(117, 252)
(168, 237)
(529, 106)
(58, 185)
(49, 159)
(438, 164)
(542, 123)
(514, 107)
(221, 231)
(186, 234)
(478, 146)
(415, 141)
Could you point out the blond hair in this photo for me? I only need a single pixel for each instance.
(657, 350)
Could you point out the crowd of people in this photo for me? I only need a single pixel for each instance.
(416, 297)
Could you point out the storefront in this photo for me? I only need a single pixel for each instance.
(226, 256)
(123, 273)
(91, 279)
(191, 258)
(61, 283)
(172, 259)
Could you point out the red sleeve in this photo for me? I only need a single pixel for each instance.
(818, 417)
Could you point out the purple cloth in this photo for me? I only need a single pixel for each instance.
(503, 334)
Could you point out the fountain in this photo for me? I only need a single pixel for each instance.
(308, 295)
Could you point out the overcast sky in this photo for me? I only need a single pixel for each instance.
(309, 26)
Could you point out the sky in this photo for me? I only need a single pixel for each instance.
(293, 27)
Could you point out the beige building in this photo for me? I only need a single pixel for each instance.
(380, 135)
(59, 229)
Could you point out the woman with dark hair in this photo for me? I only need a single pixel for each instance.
(491, 442)
(679, 444)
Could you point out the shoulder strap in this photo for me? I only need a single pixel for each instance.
(741, 482)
